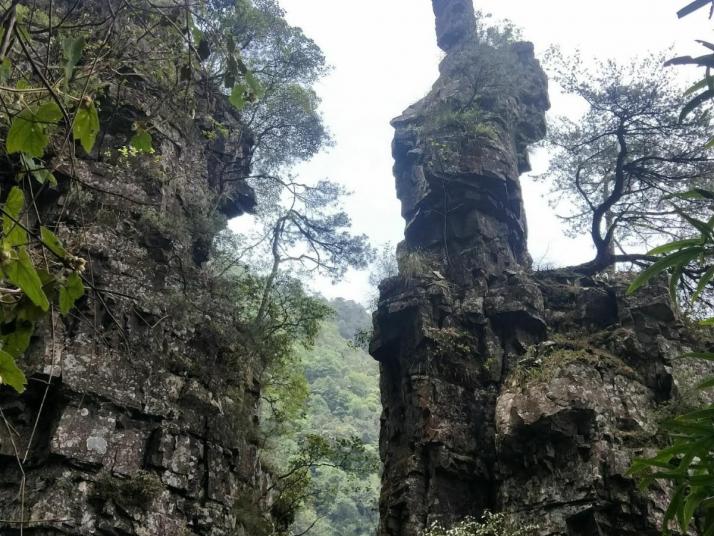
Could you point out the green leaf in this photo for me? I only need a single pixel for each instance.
(705, 228)
(13, 234)
(72, 51)
(16, 342)
(196, 34)
(690, 506)
(230, 44)
(13, 206)
(70, 292)
(10, 374)
(702, 61)
(675, 505)
(49, 112)
(699, 225)
(694, 193)
(5, 70)
(674, 283)
(237, 98)
(679, 258)
(86, 125)
(51, 242)
(255, 86)
(23, 28)
(26, 135)
(141, 141)
(22, 274)
(707, 383)
(696, 87)
(706, 82)
(703, 282)
(672, 246)
(695, 103)
(709, 356)
(28, 130)
(37, 169)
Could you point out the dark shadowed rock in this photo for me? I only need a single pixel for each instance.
(502, 389)
(455, 22)
(140, 411)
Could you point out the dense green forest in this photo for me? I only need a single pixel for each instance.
(340, 402)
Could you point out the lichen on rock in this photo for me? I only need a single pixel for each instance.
(138, 417)
(504, 389)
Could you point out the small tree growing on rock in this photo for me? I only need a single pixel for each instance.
(629, 152)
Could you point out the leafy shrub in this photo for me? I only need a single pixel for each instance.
(466, 121)
(491, 524)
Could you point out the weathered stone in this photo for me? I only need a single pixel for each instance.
(455, 21)
(504, 389)
(134, 419)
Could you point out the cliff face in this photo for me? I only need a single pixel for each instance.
(504, 389)
(139, 413)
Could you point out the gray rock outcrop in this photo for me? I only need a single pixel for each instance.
(140, 414)
(504, 389)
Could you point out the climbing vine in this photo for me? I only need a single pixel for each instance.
(59, 64)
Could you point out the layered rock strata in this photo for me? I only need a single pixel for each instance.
(140, 413)
(504, 389)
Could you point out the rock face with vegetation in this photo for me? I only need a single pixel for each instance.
(141, 403)
(137, 418)
(504, 389)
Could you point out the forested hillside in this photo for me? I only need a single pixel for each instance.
(342, 403)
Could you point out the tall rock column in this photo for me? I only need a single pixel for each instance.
(505, 390)
(441, 325)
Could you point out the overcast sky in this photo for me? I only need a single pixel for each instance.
(384, 58)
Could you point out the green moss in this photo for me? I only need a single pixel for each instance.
(449, 341)
(138, 491)
(448, 118)
(217, 130)
(416, 263)
(201, 224)
(544, 361)
(492, 368)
